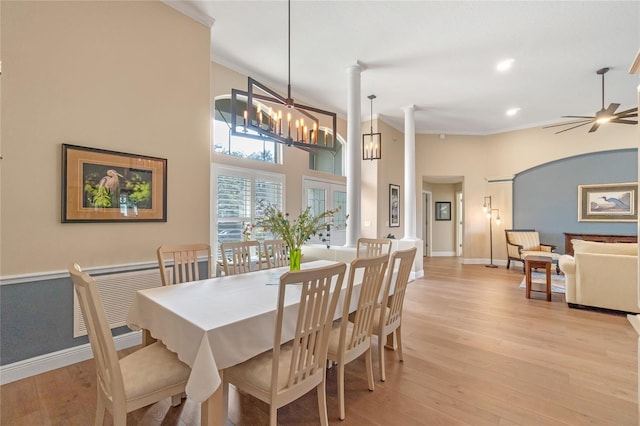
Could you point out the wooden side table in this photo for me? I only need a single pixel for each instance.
(534, 262)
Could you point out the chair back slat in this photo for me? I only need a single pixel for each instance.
(276, 253)
(315, 316)
(373, 274)
(237, 257)
(372, 247)
(186, 265)
(104, 352)
(397, 279)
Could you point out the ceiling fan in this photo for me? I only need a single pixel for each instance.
(608, 115)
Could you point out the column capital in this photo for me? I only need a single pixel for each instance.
(357, 67)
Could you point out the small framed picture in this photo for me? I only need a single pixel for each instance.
(443, 210)
(394, 206)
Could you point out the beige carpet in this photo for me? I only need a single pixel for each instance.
(557, 281)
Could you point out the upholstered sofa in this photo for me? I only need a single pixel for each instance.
(602, 275)
(526, 242)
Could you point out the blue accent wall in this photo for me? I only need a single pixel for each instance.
(36, 318)
(545, 198)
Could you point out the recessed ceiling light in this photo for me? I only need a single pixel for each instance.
(505, 65)
(513, 111)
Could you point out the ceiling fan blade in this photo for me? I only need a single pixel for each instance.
(628, 111)
(570, 128)
(568, 123)
(620, 121)
(578, 116)
(615, 117)
(594, 127)
(612, 108)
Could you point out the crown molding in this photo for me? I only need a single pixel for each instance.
(191, 11)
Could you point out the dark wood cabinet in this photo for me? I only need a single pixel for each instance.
(601, 238)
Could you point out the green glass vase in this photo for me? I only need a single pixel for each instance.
(294, 259)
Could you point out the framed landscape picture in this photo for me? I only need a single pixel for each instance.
(109, 186)
(394, 206)
(612, 202)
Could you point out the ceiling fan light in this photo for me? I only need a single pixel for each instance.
(603, 116)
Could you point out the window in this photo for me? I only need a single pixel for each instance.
(327, 161)
(241, 195)
(252, 146)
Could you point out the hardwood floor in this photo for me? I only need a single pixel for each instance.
(476, 352)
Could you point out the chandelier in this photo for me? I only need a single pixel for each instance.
(371, 142)
(262, 113)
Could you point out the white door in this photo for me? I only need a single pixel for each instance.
(459, 223)
(426, 222)
(323, 195)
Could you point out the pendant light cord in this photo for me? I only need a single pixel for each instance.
(289, 54)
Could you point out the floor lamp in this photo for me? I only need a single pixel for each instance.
(487, 208)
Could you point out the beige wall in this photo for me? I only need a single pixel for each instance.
(123, 76)
(480, 159)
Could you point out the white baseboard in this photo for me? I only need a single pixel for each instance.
(443, 253)
(43, 363)
(467, 261)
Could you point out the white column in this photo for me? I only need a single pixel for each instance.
(410, 173)
(353, 155)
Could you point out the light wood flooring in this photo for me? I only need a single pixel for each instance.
(476, 352)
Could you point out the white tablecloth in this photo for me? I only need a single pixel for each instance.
(216, 323)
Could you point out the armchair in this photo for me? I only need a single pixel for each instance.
(525, 242)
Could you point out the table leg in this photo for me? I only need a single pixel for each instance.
(213, 411)
(527, 270)
(548, 274)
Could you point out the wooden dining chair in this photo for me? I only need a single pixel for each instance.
(186, 264)
(141, 378)
(276, 252)
(371, 247)
(388, 316)
(351, 339)
(289, 371)
(240, 257)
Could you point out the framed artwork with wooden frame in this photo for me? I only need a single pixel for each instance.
(394, 206)
(611, 202)
(109, 186)
(443, 210)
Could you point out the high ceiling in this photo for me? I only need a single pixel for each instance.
(439, 56)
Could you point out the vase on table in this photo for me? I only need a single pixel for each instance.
(294, 259)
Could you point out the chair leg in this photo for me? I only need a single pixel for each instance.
(342, 415)
(508, 263)
(322, 403)
(381, 358)
(176, 400)
(119, 417)
(273, 415)
(399, 341)
(369, 367)
(100, 409)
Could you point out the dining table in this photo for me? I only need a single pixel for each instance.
(216, 323)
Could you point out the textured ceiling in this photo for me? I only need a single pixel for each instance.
(439, 56)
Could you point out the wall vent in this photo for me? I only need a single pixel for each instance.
(116, 291)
